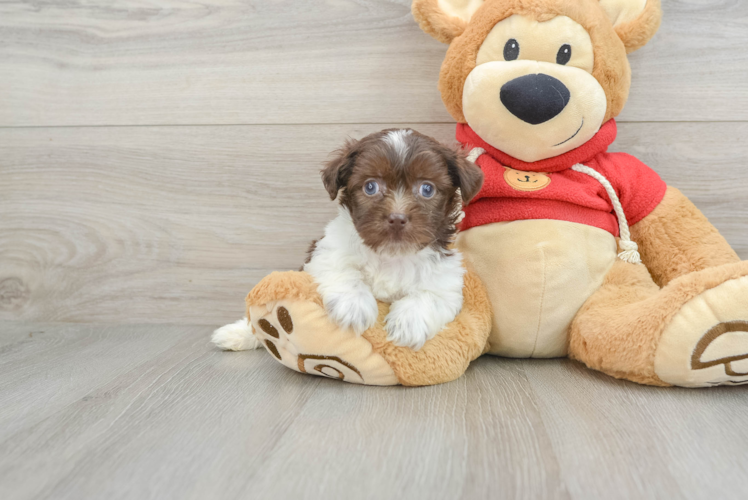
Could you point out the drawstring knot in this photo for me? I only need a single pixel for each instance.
(630, 252)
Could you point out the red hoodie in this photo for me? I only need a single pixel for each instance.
(556, 191)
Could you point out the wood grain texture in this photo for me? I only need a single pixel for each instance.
(176, 224)
(346, 61)
(73, 359)
(162, 415)
(606, 428)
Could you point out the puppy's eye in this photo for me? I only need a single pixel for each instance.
(427, 190)
(564, 54)
(511, 50)
(371, 188)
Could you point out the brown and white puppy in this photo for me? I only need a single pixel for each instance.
(398, 206)
(399, 202)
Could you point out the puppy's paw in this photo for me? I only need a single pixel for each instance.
(408, 325)
(235, 337)
(355, 309)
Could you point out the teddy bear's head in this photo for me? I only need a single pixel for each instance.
(537, 78)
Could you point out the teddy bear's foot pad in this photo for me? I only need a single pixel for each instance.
(299, 334)
(706, 343)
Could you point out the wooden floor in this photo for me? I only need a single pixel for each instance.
(141, 412)
(158, 158)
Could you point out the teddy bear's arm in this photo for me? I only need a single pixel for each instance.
(676, 239)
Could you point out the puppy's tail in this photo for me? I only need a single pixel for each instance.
(235, 337)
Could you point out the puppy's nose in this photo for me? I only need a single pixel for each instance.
(535, 99)
(397, 221)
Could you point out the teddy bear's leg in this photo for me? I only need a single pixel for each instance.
(677, 239)
(693, 332)
(299, 335)
(289, 319)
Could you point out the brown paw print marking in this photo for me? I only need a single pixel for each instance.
(321, 369)
(326, 369)
(268, 328)
(712, 335)
(284, 319)
(281, 330)
(271, 347)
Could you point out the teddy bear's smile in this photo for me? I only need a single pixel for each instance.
(573, 136)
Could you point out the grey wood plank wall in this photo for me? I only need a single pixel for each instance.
(157, 160)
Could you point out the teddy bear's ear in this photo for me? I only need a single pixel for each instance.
(444, 19)
(635, 21)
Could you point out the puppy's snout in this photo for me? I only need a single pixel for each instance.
(535, 99)
(397, 221)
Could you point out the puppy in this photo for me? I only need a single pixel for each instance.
(399, 196)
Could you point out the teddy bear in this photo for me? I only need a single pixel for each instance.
(571, 250)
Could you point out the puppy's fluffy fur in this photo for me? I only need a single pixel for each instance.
(399, 195)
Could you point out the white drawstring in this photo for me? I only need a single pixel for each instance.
(629, 249)
(474, 154)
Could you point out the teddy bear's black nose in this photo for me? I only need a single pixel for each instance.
(535, 99)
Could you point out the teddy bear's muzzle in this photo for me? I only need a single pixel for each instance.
(535, 98)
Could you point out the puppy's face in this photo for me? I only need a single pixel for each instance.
(401, 189)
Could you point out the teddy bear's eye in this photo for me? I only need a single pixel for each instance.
(511, 50)
(564, 54)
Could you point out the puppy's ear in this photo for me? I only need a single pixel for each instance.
(465, 174)
(338, 170)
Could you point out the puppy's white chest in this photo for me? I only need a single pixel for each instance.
(390, 280)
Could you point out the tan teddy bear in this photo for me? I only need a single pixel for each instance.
(534, 86)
